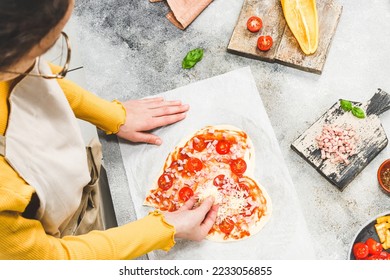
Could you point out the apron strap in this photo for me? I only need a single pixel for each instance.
(2, 145)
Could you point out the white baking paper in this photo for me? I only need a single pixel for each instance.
(233, 99)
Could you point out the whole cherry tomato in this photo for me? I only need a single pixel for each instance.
(254, 24)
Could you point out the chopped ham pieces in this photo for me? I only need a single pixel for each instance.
(337, 143)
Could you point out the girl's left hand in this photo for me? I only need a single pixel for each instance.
(146, 114)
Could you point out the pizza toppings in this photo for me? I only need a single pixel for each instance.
(165, 181)
(222, 147)
(193, 165)
(238, 166)
(226, 226)
(198, 144)
(185, 193)
(214, 162)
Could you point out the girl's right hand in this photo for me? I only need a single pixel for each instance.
(193, 223)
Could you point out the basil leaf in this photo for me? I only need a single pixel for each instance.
(192, 57)
(187, 64)
(346, 105)
(358, 112)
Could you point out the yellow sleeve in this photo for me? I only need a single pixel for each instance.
(23, 238)
(108, 116)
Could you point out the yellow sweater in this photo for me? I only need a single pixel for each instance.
(22, 238)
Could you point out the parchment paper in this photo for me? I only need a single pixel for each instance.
(231, 98)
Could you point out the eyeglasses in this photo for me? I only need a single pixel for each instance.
(63, 44)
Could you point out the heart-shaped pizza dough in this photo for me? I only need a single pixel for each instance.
(216, 161)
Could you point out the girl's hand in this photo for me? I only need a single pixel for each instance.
(146, 114)
(193, 223)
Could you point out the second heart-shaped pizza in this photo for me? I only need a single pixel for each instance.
(215, 161)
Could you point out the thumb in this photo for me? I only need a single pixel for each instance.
(147, 138)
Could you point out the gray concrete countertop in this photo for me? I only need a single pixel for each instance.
(130, 50)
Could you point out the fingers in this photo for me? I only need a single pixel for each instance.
(206, 204)
(166, 120)
(161, 107)
(205, 215)
(157, 102)
(146, 138)
(193, 223)
(189, 204)
(151, 100)
(164, 103)
(202, 210)
(209, 221)
(169, 110)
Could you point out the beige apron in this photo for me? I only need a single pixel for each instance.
(43, 143)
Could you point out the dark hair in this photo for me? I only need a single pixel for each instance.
(23, 24)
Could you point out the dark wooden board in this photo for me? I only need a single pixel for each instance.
(371, 141)
(286, 49)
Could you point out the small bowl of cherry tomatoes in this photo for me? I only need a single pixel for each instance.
(384, 176)
(367, 245)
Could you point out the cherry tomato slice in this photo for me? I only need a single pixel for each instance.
(198, 144)
(374, 247)
(238, 166)
(264, 43)
(360, 250)
(193, 165)
(254, 24)
(219, 180)
(165, 181)
(185, 193)
(226, 226)
(223, 147)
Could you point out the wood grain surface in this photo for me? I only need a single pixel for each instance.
(286, 49)
(371, 141)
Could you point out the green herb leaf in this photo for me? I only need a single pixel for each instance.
(346, 105)
(358, 112)
(192, 57)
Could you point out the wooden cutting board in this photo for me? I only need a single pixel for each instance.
(371, 139)
(285, 49)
